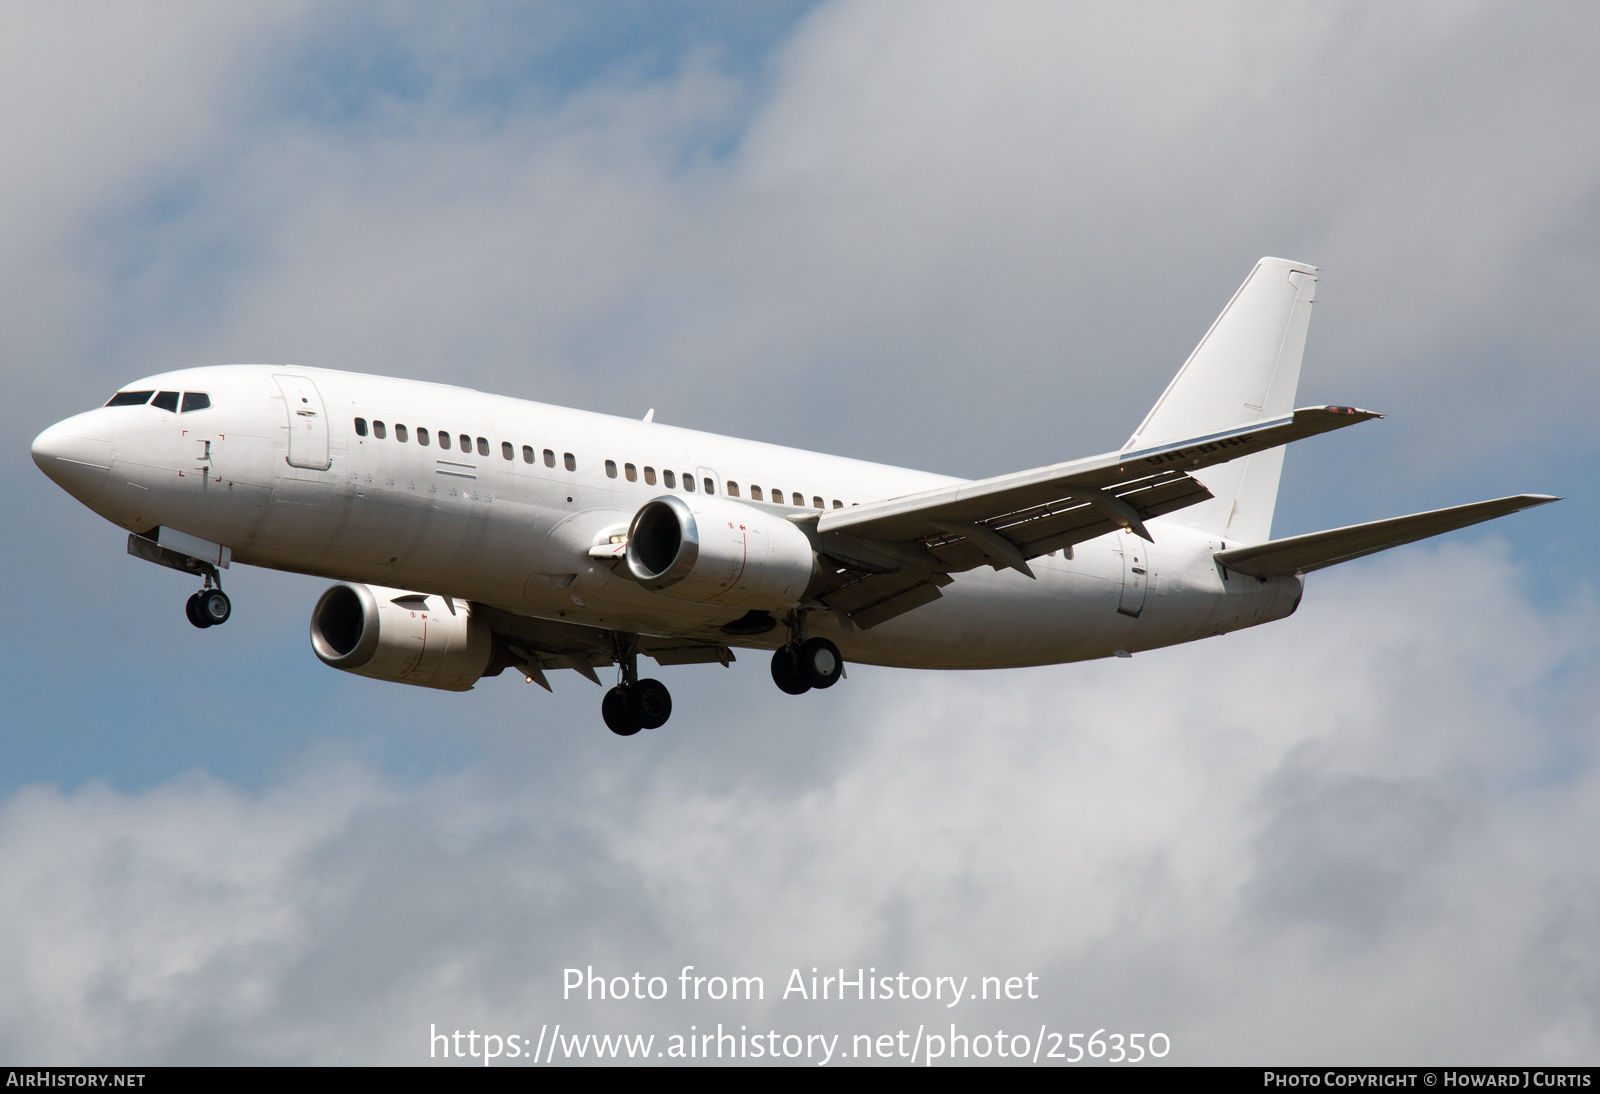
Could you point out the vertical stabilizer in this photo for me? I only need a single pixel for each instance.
(1246, 368)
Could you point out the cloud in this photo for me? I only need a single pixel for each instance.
(1358, 835)
(959, 237)
(1059, 199)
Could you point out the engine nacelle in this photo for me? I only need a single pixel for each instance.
(408, 638)
(714, 551)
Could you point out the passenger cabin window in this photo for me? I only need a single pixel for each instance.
(195, 400)
(549, 457)
(379, 431)
(630, 472)
(466, 444)
(669, 480)
(688, 483)
(444, 440)
(755, 493)
(611, 469)
(422, 435)
(361, 427)
(816, 503)
(837, 504)
(166, 400)
(130, 398)
(799, 498)
(483, 446)
(733, 489)
(507, 450)
(400, 433)
(568, 461)
(527, 453)
(650, 476)
(711, 486)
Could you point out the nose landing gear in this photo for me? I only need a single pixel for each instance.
(635, 704)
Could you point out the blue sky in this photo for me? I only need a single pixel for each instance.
(966, 238)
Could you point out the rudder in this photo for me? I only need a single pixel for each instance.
(1246, 368)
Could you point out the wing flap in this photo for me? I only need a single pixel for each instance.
(885, 610)
(1050, 528)
(1302, 554)
(877, 598)
(539, 644)
(669, 651)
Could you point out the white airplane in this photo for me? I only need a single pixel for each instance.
(471, 533)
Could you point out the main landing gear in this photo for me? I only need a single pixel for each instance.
(209, 607)
(806, 663)
(635, 704)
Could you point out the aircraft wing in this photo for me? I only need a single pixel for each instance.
(1027, 507)
(1302, 554)
(894, 555)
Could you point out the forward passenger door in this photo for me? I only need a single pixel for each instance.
(307, 422)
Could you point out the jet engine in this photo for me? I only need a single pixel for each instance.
(392, 634)
(713, 551)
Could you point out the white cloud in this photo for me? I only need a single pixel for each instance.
(1358, 835)
(1059, 197)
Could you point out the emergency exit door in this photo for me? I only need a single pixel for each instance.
(1135, 574)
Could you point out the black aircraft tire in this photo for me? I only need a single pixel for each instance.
(818, 663)
(650, 704)
(614, 709)
(191, 608)
(786, 674)
(215, 607)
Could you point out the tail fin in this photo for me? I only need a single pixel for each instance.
(1246, 368)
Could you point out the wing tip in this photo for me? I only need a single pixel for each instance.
(1355, 411)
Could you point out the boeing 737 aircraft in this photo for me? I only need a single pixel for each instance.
(471, 533)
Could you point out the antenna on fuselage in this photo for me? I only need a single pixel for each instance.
(650, 415)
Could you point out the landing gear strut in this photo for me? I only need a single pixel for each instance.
(806, 663)
(635, 704)
(209, 607)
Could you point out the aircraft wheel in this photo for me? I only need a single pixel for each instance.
(614, 709)
(818, 663)
(215, 607)
(650, 704)
(786, 674)
(191, 608)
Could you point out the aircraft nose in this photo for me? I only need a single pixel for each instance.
(76, 454)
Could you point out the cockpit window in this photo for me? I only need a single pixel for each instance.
(195, 400)
(166, 400)
(130, 398)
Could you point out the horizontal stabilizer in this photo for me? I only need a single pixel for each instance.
(1302, 554)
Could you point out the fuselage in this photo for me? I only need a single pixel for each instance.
(498, 501)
